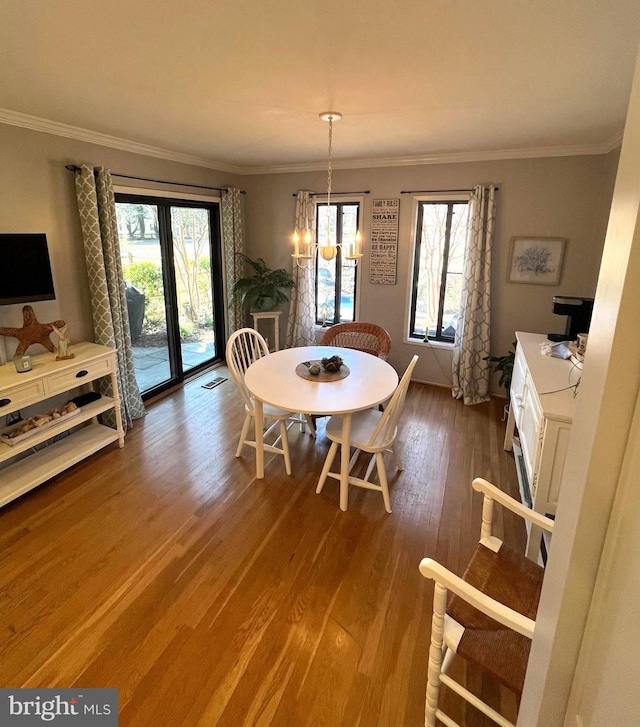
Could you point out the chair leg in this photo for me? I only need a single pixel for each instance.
(243, 434)
(435, 655)
(327, 466)
(311, 423)
(396, 456)
(382, 475)
(285, 445)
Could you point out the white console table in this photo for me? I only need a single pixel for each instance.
(544, 422)
(50, 378)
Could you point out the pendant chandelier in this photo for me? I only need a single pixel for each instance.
(305, 251)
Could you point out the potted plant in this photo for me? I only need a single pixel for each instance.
(503, 364)
(264, 289)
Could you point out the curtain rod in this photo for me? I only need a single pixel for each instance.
(437, 191)
(333, 194)
(74, 168)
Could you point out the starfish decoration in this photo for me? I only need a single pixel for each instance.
(32, 331)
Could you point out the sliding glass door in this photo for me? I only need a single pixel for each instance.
(171, 263)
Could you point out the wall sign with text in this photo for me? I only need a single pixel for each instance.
(384, 241)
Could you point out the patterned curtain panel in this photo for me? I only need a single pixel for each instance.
(232, 242)
(470, 370)
(302, 304)
(97, 208)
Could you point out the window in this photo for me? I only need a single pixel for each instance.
(336, 283)
(437, 269)
(171, 263)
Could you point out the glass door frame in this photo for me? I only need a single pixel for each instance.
(164, 205)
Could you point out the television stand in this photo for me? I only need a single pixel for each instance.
(22, 469)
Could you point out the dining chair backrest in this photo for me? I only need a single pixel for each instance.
(385, 432)
(368, 337)
(243, 348)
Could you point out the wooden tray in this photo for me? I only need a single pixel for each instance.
(302, 369)
(13, 441)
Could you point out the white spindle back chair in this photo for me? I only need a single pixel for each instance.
(374, 432)
(488, 615)
(244, 347)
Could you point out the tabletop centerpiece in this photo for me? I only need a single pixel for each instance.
(332, 368)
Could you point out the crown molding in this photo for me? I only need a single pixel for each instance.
(446, 158)
(35, 123)
(613, 143)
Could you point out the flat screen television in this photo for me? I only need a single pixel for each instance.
(25, 271)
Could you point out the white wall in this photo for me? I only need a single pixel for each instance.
(598, 446)
(37, 195)
(554, 197)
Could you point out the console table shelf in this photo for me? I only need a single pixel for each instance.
(54, 459)
(87, 412)
(50, 378)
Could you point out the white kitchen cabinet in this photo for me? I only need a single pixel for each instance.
(542, 403)
(22, 467)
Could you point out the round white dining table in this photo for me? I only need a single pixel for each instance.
(273, 380)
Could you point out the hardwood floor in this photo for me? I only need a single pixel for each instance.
(208, 597)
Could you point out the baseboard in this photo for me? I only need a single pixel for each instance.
(492, 394)
(432, 383)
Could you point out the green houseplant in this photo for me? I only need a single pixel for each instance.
(503, 364)
(264, 289)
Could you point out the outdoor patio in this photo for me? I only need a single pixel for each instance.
(152, 363)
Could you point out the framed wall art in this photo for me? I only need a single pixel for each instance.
(536, 260)
(384, 241)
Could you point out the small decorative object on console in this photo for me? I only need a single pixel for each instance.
(582, 343)
(23, 364)
(32, 331)
(63, 343)
(36, 424)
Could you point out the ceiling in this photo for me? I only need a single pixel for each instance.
(240, 84)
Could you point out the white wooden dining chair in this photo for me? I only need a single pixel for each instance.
(374, 432)
(488, 615)
(243, 348)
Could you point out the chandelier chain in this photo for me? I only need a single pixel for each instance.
(329, 180)
(328, 251)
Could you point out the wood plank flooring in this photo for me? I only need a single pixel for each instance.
(208, 597)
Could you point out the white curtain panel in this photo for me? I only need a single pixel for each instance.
(97, 209)
(470, 370)
(233, 243)
(302, 303)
